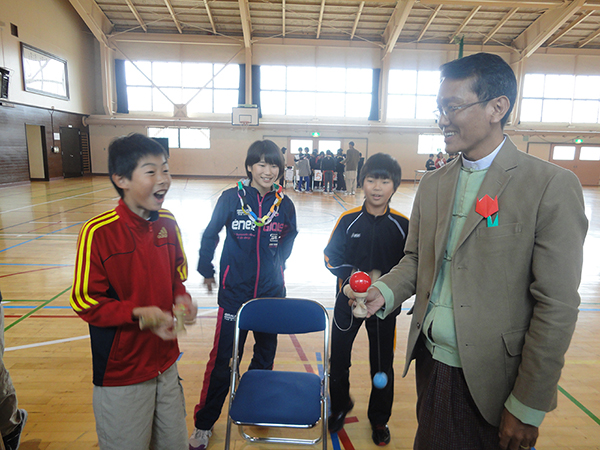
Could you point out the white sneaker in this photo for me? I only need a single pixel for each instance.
(199, 439)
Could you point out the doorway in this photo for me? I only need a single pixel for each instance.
(36, 152)
(583, 160)
(71, 152)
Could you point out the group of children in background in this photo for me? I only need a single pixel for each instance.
(327, 172)
(128, 285)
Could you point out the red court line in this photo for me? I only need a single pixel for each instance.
(345, 440)
(301, 353)
(30, 271)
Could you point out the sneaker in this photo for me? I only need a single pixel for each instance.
(381, 434)
(12, 440)
(199, 439)
(336, 421)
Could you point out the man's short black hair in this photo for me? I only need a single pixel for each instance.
(492, 77)
(264, 149)
(381, 165)
(125, 152)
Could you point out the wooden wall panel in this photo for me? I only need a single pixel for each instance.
(14, 166)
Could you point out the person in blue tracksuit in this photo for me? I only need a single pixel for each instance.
(261, 227)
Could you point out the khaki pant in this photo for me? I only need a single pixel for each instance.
(141, 416)
(9, 412)
(350, 177)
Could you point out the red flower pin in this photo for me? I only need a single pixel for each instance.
(487, 207)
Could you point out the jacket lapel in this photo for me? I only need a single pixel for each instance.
(493, 185)
(445, 203)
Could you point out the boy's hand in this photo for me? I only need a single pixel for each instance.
(374, 301)
(156, 320)
(190, 309)
(209, 283)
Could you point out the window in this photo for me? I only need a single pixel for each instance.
(183, 137)
(297, 144)
(589, 154)
(204, 87)
(431, 143)
(563, 152)
(412, 94)
(329, 145)
(316, 91)
(561, 98)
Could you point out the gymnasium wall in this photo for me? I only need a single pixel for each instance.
(55, 27)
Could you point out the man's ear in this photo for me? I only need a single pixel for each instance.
(500, 106)
(120, 181)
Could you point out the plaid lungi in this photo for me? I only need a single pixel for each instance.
(447, 415)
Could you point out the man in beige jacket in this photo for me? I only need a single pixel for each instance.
(494, 255)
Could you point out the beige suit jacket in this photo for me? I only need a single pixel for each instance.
(514, 286)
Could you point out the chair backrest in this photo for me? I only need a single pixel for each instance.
(282, 316)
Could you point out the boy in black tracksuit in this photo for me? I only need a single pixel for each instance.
(252, 265)
(371, 239)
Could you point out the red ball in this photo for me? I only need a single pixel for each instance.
(360, 282)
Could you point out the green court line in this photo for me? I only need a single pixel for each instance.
(579, 405)
(37, 308)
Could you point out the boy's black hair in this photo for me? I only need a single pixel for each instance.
(267, 149)
(125, 152)
(382, 165)
(493, 77)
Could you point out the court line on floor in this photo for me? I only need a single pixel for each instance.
(40, 237)
(579, 405)
(25, 316)
(42, 344)
(57, 200)
(30, 264)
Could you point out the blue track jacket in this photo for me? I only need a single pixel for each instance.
(253, 258)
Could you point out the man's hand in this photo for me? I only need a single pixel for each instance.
(209, 283)
(374, 301)
(516, 435)
(156, 320)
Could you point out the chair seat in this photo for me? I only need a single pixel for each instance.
(292, 399)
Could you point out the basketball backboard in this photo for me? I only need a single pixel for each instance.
(245, 115)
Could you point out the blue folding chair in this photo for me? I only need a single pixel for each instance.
(273, 398)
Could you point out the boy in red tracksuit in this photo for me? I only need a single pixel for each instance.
(129, 276)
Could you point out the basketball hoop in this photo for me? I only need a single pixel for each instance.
(244, 124)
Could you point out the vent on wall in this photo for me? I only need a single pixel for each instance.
(85, 153)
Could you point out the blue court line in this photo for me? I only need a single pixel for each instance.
(42, 236)
(337, 199)
(51, 265)
(335, 442)
(31, 306)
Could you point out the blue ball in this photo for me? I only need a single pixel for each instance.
(380, 380)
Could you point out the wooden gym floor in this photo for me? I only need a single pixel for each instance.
(48, 350)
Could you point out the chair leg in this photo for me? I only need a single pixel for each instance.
(228, 433)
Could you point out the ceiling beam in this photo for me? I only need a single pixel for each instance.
(500, 24)
(429, 22)
(320, 18)
(94, 18)
(357, 19)
(465, 23)
(395, 24)
(576, 22)
(283, 18)
(137, 15)
(173, 16)
(589, 39)
(246, 23)
(545, 26)
(210, 17)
